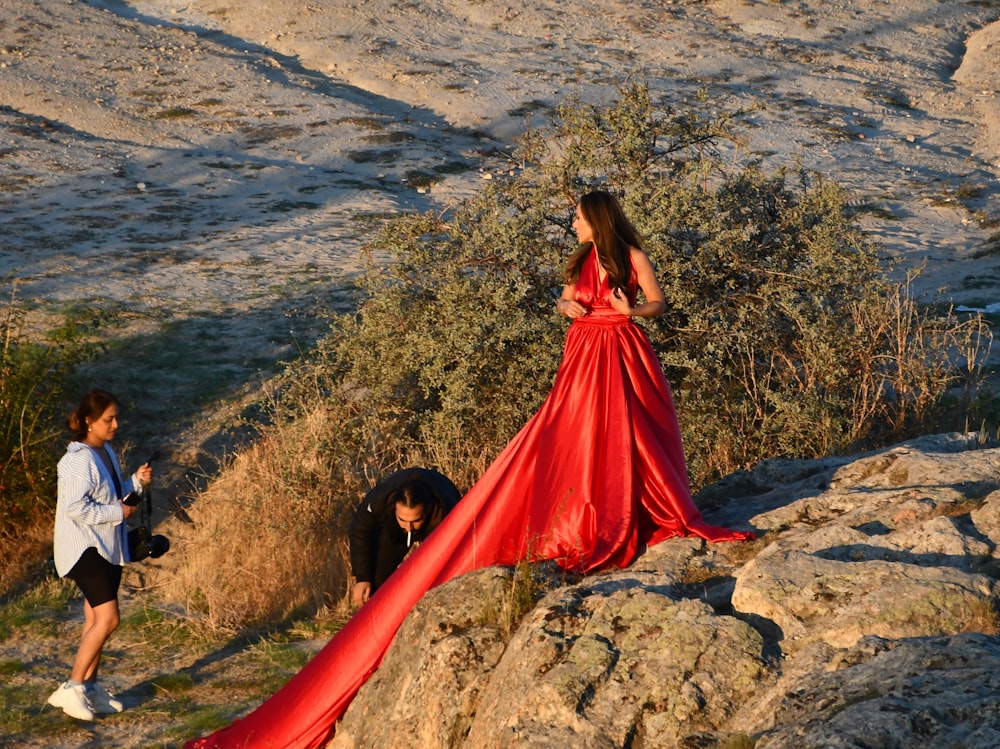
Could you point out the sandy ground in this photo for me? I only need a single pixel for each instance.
(204, 174)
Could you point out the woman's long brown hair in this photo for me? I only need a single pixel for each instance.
(613, 236)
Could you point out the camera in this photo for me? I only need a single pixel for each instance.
(142, 544)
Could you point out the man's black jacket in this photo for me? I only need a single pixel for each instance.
(378, 544)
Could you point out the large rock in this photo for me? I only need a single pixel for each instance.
(866, 615)
(615, 660)
(426, 691)
(805, 598)
(930, 692)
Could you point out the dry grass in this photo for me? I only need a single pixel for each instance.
(981, 615)
(24, 557)
(525, 589)
(269, 532)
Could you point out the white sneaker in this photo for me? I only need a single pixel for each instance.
(73, 701)
(102, 701)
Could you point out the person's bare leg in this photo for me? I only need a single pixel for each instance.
(98, 624)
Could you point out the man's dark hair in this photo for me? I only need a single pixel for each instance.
(414, 494)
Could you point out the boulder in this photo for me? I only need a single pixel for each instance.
(865, 615)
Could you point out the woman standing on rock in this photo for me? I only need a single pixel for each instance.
(91, 543)
(595, 476)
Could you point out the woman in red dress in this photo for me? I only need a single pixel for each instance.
(596, 475)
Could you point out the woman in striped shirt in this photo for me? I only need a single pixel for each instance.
(91, 543)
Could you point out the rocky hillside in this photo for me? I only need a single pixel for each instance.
(865, 615)
(203, 174)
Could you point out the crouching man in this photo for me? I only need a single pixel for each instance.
(391, 520)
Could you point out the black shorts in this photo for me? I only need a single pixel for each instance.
(97, 578)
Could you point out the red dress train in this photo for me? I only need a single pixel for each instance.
(595, 475)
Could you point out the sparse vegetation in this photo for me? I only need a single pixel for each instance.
(39, 604)
(783, 337)
(176, 666)
(520, 595)
(175, 113)
(34, 375)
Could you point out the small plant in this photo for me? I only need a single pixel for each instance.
(224, 165)
(421, 179)
(981, 615)
(367, 123)
(172, 684)
(985, 220)
(519, 597)
(890, 96)
(386, 156)
(874, 210)
(279, 659)
(174, 113)
(266, 133)
(969, 191)
(10, 667)
(738, 741)
(390, 137)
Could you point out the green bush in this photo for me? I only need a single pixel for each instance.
(27, 470)
(33, 378)
(783, 334)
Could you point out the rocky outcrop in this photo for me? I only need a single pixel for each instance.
(865, 615)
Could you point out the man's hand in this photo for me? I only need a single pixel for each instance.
(360, 593)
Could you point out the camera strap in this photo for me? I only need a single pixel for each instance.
(105, 457)
(146, 508)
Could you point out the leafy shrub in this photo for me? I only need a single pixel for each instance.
(782, 334)
(33, 378)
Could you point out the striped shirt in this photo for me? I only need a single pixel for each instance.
(88, 512)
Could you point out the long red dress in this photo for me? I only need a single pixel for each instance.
(596, 474)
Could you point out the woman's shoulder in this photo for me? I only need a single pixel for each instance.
(639, 258)
(77, 455)
(77, 449)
